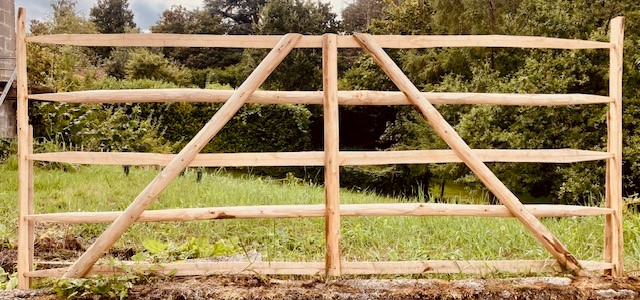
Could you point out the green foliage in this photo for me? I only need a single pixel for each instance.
(63, 19)
(265, 128)
(178, 19)
(359, 15)
(302, 69)
(240, 14)
(98, 128)
(112, 83)
(144, 64)
(511, 71)
(105, 287)
(112, 16)
(106, 188)
(399, 180)
(8, 281)
(115, 63)
(157, 251)
(62, 68)
(8, 147)
(254, 128)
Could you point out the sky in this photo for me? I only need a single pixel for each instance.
(146, 12)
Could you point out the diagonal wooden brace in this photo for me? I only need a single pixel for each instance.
(182, 159)
(460, 147)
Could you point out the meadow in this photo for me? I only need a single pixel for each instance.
(106, 188)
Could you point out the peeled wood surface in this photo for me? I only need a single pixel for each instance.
(317, 211)
(313, 97)
(25, 165)
(460, 147)
(331, 153)
(315, 158)
(204, 268)
(267, 41)
(179, 162)
(613, 223)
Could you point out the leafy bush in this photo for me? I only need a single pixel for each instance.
(98, 128)
(8, 147)
(194, 248)
(105, 287)
(8, 281)
(145, 64)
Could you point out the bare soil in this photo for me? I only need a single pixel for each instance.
(258, 287)
(254, 287)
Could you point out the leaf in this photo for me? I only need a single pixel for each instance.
(154, 247)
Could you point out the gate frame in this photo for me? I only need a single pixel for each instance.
(331, 158)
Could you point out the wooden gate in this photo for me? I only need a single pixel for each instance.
(331, 158)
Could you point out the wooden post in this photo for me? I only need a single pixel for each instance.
(180, 161)
(331, 152)
(25, 165)
(460, 147)
(613, 223)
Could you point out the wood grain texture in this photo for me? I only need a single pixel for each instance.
(318, 211)
(316, 158)
(204, 268)
(613, 223)
(25, 165)
(182, 159)
(460, 147)
(346, 41)
(312, 97)
(331, 153)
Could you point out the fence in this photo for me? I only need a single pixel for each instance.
(331, 158)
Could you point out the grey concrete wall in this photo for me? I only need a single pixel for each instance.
(7, 64)
(7, 39)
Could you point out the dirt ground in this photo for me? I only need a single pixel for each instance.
(258, 287)
(264, 287)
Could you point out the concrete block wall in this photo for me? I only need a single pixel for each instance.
(7, 39)
(7, 64)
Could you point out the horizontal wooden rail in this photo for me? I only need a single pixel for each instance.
(317, 211)
(316, 158)
(202, 268)
(311, 97)
(266, 41)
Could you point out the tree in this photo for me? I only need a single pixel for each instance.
(359, 15)
(240, 14)
(178, 19)
(302, 69)
(112, 16)
(516, 71)
(57, 66)
(64, 19)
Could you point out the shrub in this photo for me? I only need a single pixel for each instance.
(144, 64)
(8, 147)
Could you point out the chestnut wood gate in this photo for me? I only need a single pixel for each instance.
(331, 158)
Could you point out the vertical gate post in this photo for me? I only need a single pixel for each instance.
(25, 164)
(613, 222)
(331, 152)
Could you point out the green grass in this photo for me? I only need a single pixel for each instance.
(104, 188)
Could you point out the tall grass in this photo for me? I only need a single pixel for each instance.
(105, 188)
